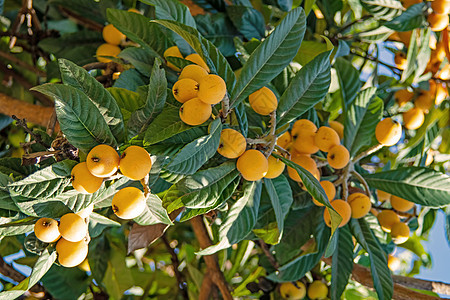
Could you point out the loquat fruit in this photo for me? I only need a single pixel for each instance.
(387, 218)
(173, 51)
(195, 112)
(252, 165)
(135, 163)
(84, 266)
(128, 203)
(437, 22)
(185, 89)
(338, 127)
(71, 254)
(293, 291)
(46, 230)
(399, 233)
(441, 93)
(401, 204)
(276, 167)
(330, 191)
(317, 290)
(232, 143)
(194, 72)
(338, 156)
(408, 3)
(413, 118)
(444, 73)
(360, 205)
(342, 208)
(284, 139)
(303, 142)
(326, 138)
(424, 101)
(112, 35)
(102, 161)
(302, 125)
(400, 60)
(83, 181)
(388, 132)
(263, 101)
(441, 7)
(197, 59)
(211, 89)
(383, 196)
(393, 263)
(403, 96)
(106, 50)
(307, 163)
(72, 227)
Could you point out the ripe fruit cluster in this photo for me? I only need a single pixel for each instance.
(297, 290)
(389, 219)
(69, 235)
(174, 51)
(357, 206)
(438, 19)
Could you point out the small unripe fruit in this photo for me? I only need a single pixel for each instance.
(383, 196)
(72, 227)
(197, 59)
(424, 101)
(194, 72)
(232, 143)
(252, 165)
(388, 132)
(329, 189)
(360, 205)
(135, 163)
(399, 233)
(326, 138)
(185, 89)
(46, 230)
(106, 50)
(102, 161)
(304, 142)
(71, 254)
(342, 208)
(338, 157)
(263, 101)
(401, 204)
(173, 52)
(400, 60)
(387, 218)
(128, 203)
(338, 127)
(307, 163)
(403, 96)
(276, 167)
(211, 89)
(317, 290)
(195, 112)
(284, 139)
(83, 181)
(437, 22)
(112, 35)
(413, 118)
(291, 291)
(302, 125)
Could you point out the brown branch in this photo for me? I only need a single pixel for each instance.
(9, 271)
(211, 260)
(22, 63)
(81, 20)
(433, 286)
(36, 114)
(206, 288)
(176, 264)
(37, 137)
(268, 254)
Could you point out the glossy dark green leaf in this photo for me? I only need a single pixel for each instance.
(247, 20)
(98, 223)
(342, 263)
(65, 283)
(127, 100)
(172, 10)
(348, 80)
(412, 18)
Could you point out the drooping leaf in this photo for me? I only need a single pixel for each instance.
(154, 212)
(79, 78)
(249, 21)
(172, 10)
(140, 58)
(271, 56)
(411, 19)
(127, 100)
(239, 220)
(79, 118)
(98, 223)
(342, 263)
(423, 186)
(348, 80)
(306, 89)
(17, 227)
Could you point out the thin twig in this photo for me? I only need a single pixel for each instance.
(367, 152)
(176, 264)
(268, 254)
(22, 63)
(273, 137)
(36, 136)
(362, 180)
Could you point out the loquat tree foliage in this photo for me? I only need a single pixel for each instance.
(265, 149)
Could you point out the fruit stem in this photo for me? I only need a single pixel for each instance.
(362, 180)
(367, 152)
(144, 182)
(272, 136)
(284, 151)
(225, 107)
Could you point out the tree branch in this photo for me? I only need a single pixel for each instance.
(268, 254)
(211, 260)
(176, 264)
(9, 271)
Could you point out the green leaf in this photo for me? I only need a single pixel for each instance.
(79, 118)
(154, 213)
(383, 9)
(342, 263)
(381, 274)
(156, 98)
(140, 58)
(412, 18)
(306, 89)
(127, 100)
(202, 189)
(240, 219)
(164, 126)
(17, 227)
(130, 79)
(216, 62)
(79, 78)
(198, 152)
(44, 183)
(65, 283)
(172, 10)
(360, 120)
(280, 195)
(271, 56)
(241, 116)
(12, 166)
(348, 80)
(42, 265)
(247, 20)
(117, 278)
(423, 186)
(98, 223)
